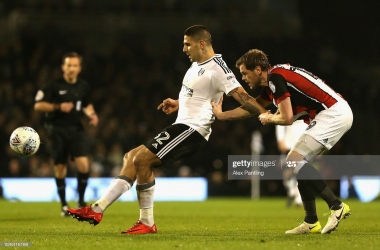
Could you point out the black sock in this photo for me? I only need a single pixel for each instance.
(61, 186)
(82, 184)
(308, 200)
(315, 180)
(330, 198)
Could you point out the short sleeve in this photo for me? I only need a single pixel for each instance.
(45, 94)
(225, 82)
(278, 86)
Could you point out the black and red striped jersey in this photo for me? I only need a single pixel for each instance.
(308, 94)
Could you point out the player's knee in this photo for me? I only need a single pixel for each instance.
(140, 162)
(130, 154)
(82, 162)
(126, 156)
(60, 172)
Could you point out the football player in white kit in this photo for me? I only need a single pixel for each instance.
(207, 79)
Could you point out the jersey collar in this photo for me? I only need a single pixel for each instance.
(209, 60)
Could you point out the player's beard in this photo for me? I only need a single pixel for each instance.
(193, 58)
(71, 77)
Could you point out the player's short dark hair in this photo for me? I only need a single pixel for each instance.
(199, 32)
(72, 54)
(254, 58)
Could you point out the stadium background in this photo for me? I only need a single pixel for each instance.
(133, 60)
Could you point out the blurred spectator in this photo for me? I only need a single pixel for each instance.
(15, 168)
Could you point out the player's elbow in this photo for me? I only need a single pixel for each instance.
(37, 106)
(289, 121)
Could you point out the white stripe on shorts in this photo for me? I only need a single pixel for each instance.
(174, 142)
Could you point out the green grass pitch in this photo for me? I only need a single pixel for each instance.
(227, 223)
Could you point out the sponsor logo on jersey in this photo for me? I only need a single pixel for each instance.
(272, 87)
(201, 71)
(186, 91)
(62, 92)
(232, 79)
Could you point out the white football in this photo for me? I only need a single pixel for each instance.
(25, 141)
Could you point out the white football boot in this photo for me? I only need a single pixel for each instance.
(335, 216)
(306, 228)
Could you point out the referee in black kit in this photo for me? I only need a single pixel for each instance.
(63, 101)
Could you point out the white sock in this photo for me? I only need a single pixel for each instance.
(146, 198)
(298, 199)
(293, 188)
(113, 192)
(287, 185)
(146, 216)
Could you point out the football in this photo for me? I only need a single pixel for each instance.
(25, 141)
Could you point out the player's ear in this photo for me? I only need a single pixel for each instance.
(202, 44)
(258, 70)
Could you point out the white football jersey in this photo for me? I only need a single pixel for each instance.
(203, 83)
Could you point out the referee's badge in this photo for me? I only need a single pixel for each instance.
(272, 87)
(39, 95)
(200, 72)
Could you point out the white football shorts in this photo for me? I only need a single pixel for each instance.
(331, 124)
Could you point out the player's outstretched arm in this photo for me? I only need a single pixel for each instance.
(168, 106)
(250, 106)
(238, 113)
(248, 102)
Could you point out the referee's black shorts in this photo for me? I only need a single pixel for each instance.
(67, 141)
(176, 142)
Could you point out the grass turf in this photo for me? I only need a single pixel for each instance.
(227, 223)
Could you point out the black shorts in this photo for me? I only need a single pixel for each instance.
(67, 141)
(176, 142)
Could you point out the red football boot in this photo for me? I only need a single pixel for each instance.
(140, 228)
(86, 214)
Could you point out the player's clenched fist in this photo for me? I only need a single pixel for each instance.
(168, 106)
(264, 117)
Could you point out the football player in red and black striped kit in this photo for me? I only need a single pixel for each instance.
(298, 94)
